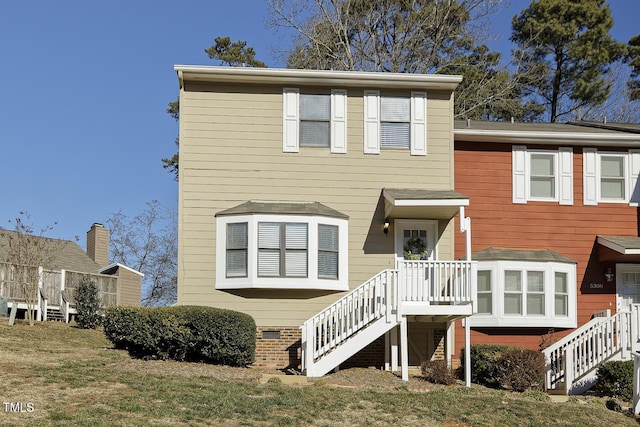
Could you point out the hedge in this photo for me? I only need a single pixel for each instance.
(191, 333)
(615, 379)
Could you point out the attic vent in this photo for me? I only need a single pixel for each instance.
(270, 335)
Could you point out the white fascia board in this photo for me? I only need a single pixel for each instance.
(532, 137)
(117, 264)
(429, 202)
(318, 77)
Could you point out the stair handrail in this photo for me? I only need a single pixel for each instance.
(586, 347)
(370, 301)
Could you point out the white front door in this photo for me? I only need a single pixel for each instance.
(627, 285)
(416, 239)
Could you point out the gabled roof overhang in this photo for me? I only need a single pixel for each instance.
(420, 203)
(315, 77)
(624, 245)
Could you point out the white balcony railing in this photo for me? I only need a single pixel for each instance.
(420, 283)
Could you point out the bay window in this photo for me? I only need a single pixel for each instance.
(281, 251)
(525, 293)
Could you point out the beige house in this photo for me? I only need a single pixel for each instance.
(321, 203)
(117, 283)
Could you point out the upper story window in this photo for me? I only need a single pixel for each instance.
(314, 120)
(281, 250)
(610, 177)
(395, 122)
(525, 293)
(542, 175)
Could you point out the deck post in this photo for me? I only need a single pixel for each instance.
(404, 348)
(467, 351)
(636, 383)
(393, 341)
(387, 351)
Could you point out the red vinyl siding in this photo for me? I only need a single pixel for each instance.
(483, 172)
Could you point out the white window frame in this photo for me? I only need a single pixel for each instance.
(291, 121)
(253, 281)
(498, 318)
(563, 175)
(592, 176)
(418, 124)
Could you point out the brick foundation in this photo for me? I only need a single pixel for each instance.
(278, 347)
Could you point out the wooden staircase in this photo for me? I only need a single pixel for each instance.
(55, 314)
(572, 362)
(445, 289)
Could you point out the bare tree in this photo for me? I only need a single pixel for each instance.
(408, 36)
(148, 243)
(619, 106)
(28, 253)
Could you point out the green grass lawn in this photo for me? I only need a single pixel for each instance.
(70, 376)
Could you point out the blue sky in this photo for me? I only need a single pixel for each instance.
(85, 86)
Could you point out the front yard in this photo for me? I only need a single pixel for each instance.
(56, 374)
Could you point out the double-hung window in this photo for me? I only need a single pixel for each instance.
(542, 175)
(610, 176)
(395, 122)
(314, 120)
(524, 293)
(282, 249)
(236, 253)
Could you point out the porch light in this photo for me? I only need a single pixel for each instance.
(609, 274)
(385, 227)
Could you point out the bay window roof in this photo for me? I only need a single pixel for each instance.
(546, 255)
(283, 208)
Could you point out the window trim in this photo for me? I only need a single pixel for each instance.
(563, 175)
(499, 319)
(253, 281)
(592, 177)
(291, 121)
(417, 128)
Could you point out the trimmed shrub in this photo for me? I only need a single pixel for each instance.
(615, 379)
(437, 372)
(88, 304)
(484, 363)
(521, 369)
(203, 334)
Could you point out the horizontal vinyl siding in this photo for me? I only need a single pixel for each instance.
(569, 230)
(231, 152)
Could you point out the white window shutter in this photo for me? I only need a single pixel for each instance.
(519, 172)
(371, 122)
(418, 123)
(565, 175)
(339, 121)
(634, 171)
(290, 115)
(590, 176)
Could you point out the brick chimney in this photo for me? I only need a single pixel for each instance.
(98, 244)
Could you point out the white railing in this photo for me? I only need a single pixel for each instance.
(42, 305)
(344, 318)
(593, 343)
(424, 282)
(437, 282)
(64, 306)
